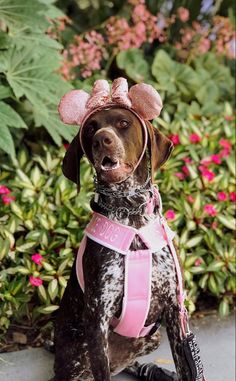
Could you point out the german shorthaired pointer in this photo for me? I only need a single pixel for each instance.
(112, 135)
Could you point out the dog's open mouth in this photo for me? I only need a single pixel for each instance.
(109, 164)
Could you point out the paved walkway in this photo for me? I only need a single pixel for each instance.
(216, 339)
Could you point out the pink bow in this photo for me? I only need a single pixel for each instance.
(76, 105)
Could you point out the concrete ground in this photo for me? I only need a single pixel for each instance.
(216, 340)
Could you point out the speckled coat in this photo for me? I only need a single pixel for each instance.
(86, 347)
(84, 338)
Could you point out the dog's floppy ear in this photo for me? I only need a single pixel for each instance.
(71, 161)
(160, 148)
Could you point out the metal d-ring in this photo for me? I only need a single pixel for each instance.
(122, 212)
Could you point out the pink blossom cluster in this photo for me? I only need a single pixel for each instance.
(36, 281)
(225, 36)
(6, 196)
(183, 14)
(86, 54)
(88, 50)
(205, 163)
(143, 27)
(199, 38)
(57, 26)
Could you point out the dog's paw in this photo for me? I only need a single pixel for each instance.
(151, 372)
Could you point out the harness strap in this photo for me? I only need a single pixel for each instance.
(181, 293)
(137, 295)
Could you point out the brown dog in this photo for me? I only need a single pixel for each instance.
(87, 349)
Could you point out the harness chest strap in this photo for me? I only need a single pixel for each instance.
(138, 267)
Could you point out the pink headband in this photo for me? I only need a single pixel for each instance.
(142, 100)
(77, 105)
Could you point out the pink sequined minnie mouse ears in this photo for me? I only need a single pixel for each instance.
(76, 105)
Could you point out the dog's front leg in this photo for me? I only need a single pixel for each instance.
(173, 328)
(96, 326)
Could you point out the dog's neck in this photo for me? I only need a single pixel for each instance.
(126, 202)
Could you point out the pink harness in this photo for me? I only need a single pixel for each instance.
(138, 268)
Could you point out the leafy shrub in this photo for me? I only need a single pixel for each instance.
(29, 86)
(43, 218)
(198, 188)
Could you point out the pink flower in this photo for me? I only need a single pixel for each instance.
(195, 138)
(37, 258)
(226, 147)
(225, 144)
(175, 139)
(7, 199)
(232, 196)
(187, 160)
(4, 190)
(216, 159)
(224, 152)
(206, 161)
(180, 175)
(183, 14)
(221, 196)
(210, 210)
(36, 282)
(198, 262)
(204, 45)
(229, 118)
(214, 225)
(185, 170)
(190, 199)
(209, 175)
(170, 214)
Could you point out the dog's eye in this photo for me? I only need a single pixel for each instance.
(91, 128)
(123, 123)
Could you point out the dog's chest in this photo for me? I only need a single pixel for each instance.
(109, 281)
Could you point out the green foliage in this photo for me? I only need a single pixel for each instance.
(199, 89)
(206, 243)
(30, 88)
(47, 217)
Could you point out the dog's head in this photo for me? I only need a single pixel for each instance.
(115, 138)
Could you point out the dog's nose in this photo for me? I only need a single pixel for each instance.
(103, 139)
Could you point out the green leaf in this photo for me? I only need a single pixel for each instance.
(48, 309)
(224, 307)
(163, 68)
(26, 247)
(4, 247)
(197, 202)
(6, 141)
(215, 266)
(23, 14)
(134, 64)
(194, 241)
(5, 91)
(17, 210)
(22, 270)
(42, 293)
(53, 289)
(9, 117)
(228, 221)
(212, 284)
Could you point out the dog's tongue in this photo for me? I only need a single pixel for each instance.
(109, 164)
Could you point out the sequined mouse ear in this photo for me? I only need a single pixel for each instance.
(145, 100)
(72, 107)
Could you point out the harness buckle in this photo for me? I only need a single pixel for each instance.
(122, 212)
